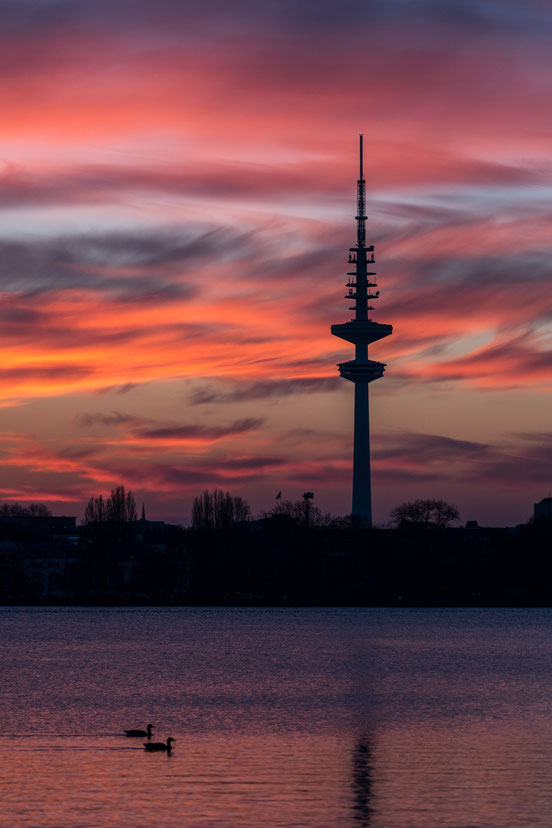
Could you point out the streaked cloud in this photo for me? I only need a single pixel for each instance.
(177, 198)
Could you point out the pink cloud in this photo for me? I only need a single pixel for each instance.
(202, 171)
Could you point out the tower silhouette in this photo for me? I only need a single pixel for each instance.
(361, 331)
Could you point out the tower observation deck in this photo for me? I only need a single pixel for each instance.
(361, 331)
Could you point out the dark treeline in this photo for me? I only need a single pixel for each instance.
(294, 555)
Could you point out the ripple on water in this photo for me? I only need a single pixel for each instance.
(314, 717)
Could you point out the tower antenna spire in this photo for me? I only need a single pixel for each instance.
(361, 202)
(361, 331)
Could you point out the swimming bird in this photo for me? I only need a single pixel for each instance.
(140, 733)
(154, 747)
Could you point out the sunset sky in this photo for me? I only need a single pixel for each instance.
(177, 202)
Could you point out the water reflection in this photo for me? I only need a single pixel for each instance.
(362, 782)
(311, 718)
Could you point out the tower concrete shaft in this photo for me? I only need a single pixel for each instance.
(361, 331)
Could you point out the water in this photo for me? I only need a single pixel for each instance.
(354, 718)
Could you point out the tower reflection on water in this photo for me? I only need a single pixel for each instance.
(361, 782)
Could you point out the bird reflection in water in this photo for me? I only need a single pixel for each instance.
(362, 782)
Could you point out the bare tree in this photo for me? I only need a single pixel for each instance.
(223, 509)
(242, 509)
(202, 511)
(119, 507)
(95, 511)
(424, 513)
(444, 513)
(218, 510)
(39, 510)
(12, 510)
(303, 511)
(17, 510)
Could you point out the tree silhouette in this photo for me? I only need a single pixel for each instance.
(303, 511)
(218, 510)
(119, 507)
(95, 511)
(39, 510)
(17, 510)
(425, 513)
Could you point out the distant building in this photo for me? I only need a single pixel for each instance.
(48, 568)
(543, 511)
(146, 527)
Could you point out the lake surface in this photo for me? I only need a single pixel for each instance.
(387, 718)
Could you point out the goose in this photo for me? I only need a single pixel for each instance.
(140, 733)
(154, 747)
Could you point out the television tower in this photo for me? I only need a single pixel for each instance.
(361, 331)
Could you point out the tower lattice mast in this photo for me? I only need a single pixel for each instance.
(361, 331)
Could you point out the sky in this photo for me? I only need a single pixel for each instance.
(177, 200)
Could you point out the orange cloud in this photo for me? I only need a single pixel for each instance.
(177, 204)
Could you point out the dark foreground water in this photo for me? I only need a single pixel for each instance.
(385, 718)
